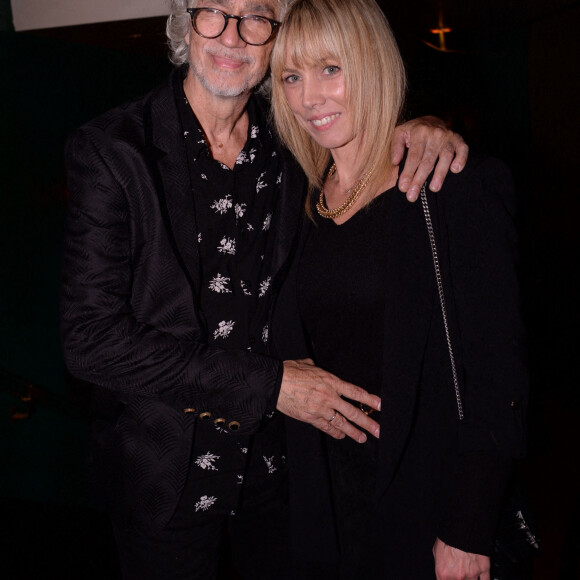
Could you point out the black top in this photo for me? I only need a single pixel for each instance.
(341, 281)
(341, 290)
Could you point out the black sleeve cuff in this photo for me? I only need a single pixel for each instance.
(475, 496)
(273, 401)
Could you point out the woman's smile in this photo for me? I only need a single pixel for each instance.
(324, 122)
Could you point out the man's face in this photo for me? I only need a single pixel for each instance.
(226, 66)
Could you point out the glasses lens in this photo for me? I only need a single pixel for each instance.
(255, 29)
(208, 22)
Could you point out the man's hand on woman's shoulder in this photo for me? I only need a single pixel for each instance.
(429, 142)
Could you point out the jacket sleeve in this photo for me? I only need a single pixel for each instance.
(479, 237)
(104, 343)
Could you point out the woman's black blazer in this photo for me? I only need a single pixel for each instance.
(473, 217)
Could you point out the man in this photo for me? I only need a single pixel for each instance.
(183, 215)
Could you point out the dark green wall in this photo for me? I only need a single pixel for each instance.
(5, 16)
(49, 88)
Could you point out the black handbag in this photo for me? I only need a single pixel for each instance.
(516, 539)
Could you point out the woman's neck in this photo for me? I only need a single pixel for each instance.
(349, 177)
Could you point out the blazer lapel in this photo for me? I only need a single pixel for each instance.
(168, 160)
(409, 302)
(289, 211)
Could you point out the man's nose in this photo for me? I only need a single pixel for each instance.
(230, 36)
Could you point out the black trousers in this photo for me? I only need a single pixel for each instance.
(243, 533)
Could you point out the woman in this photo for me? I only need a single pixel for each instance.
(422, 501)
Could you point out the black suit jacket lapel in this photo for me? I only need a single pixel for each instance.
(168, 161)
(409, 301)
(289, 212)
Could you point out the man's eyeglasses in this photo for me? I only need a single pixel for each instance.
(253, 29)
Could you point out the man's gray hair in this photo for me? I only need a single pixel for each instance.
(178, 28)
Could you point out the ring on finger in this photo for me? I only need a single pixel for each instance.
(333, 417)
(366, 409)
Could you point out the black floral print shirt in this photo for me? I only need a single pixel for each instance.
(234, 210)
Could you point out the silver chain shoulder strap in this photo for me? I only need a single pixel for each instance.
(431, 233)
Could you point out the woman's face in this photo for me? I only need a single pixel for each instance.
(317, 96)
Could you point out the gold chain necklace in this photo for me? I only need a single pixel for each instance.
(321, 208)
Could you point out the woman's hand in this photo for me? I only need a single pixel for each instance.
(429, 141)
(453, 564)
(313, 395)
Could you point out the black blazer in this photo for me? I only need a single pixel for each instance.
(130, 318)
(477, 245)
(448, 475)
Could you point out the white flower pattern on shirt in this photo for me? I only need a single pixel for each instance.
(270, 464)
(265, 334)
(240, 209)
(207, 461)
(261, 183)
(205, 502)
(227, 246)
(221, 206)
(267, 222)
(219, 284)
(264, 286)
(224, 329)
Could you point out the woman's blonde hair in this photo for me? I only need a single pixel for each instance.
(355, 35)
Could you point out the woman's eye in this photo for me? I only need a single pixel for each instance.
(332, 69)
(290, 79)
